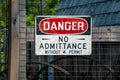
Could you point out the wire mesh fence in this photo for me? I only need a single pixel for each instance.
(103, 64)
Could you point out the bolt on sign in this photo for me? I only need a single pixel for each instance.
(63, 35)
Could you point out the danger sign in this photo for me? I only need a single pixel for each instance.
(63, 35)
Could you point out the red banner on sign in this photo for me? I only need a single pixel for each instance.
(63, 25)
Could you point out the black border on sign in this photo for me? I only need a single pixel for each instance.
(39, 18)
(88, 18)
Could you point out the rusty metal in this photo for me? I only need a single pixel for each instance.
(84, 74)
(55, 67)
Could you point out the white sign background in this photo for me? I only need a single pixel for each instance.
(62, 47)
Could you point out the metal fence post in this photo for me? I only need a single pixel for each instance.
(50, 70)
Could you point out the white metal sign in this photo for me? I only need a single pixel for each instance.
(63, 35)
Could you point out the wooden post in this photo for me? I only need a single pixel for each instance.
(17, 44)
(14, 41)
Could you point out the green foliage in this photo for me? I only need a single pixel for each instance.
(2, 61)
(50, 7)
(30, 20)
(3, 24)
(33, 9)
(36, 7)
(2, 55)
(3, 14)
